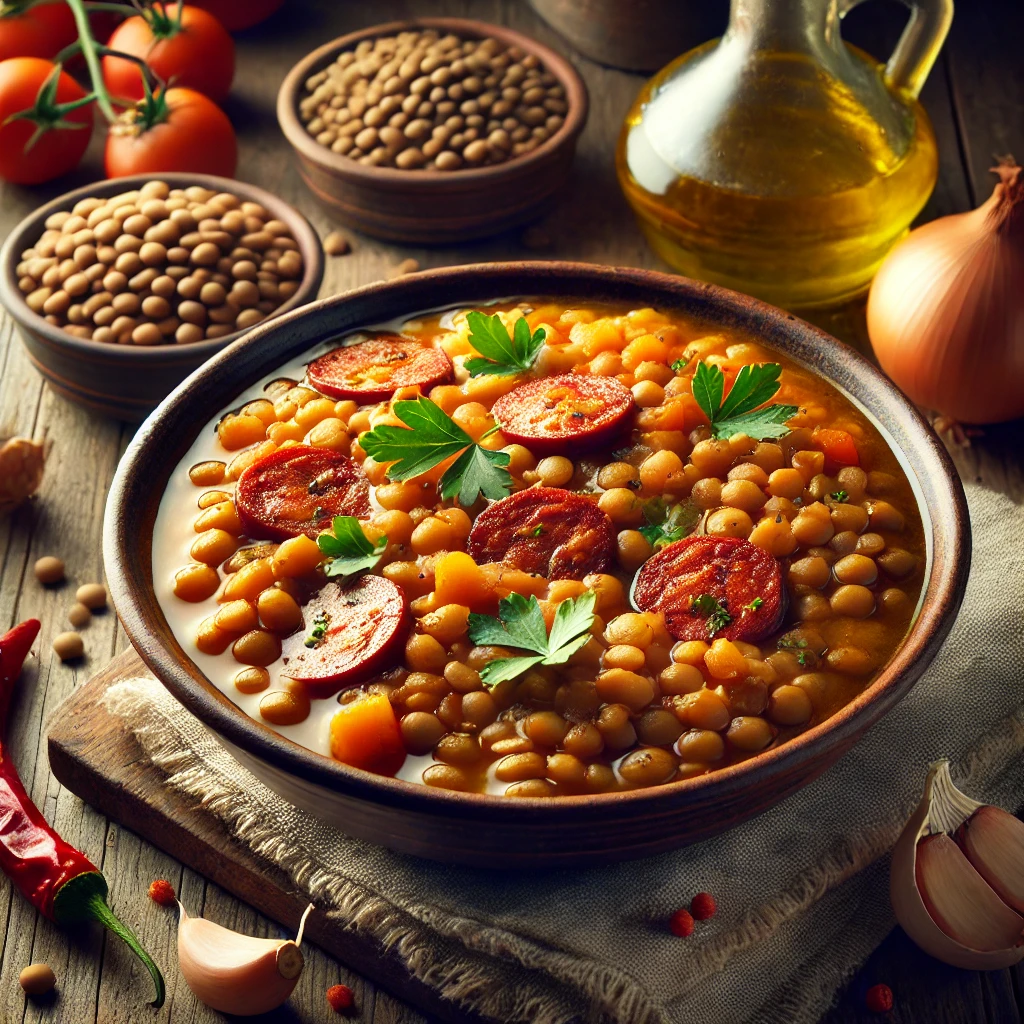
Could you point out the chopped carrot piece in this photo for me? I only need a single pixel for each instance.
(838, 446)
(366, 734)
(458, 580)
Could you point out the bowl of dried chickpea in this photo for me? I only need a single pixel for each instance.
(122, 288)
(433, 130)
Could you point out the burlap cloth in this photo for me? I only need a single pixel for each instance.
(801, 890)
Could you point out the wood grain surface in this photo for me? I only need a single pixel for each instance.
(975, 97)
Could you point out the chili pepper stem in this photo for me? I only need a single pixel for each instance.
(84, 898)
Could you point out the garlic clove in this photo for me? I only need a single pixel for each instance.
(960, 901)
(234, 973)
(21, 470)
(993, 840)
(943, 808)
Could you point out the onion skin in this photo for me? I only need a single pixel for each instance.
(909, 907)
(946, 310)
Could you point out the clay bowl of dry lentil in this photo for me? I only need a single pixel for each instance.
(120, 289)
(433, 130)
(722, 616)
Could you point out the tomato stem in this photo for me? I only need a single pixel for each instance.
(162, 24)
(92, 59)
(99, 5)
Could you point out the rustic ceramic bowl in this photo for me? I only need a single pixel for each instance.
(128, 381)
(434, 207)
(480, 829)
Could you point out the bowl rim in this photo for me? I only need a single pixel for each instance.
(295, 131)
(21, 236)
(188, 410)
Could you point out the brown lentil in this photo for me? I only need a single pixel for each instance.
(446, 103)
(123, 275)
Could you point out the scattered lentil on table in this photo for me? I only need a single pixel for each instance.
(79, 615)
(68, 646)
(160, 265)
(423, 101)
(37, 979)
(49, 569)
(92, 595)
(336, 244)
(407, 266)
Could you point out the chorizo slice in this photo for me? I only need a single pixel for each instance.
(741, 577)
(565, 414)
(299, 490)
(372, 371)
(349, 634)
(545, 530)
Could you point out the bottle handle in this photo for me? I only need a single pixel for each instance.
(919, 46)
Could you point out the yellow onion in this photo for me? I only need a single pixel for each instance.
(946, 309)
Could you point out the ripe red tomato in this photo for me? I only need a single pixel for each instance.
(194, 135)
(41, 31)
(235, 15)
(57, 150)
(197, 54)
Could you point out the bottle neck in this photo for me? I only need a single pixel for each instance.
(785, 25)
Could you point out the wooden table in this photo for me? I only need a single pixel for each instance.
(976, 99)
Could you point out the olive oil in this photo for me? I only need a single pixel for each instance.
(786, 175)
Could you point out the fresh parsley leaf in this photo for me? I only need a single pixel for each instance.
(714, 611)
(666, 525)
(740, 412)
(680, 364)
(839, 496)
(319, 630)
(520, 624)
(429, 437)
(754, 605)
(799, 648)
(348, 549)
(502, 355)
(477, 471)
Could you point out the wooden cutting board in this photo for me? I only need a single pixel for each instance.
(94, 756)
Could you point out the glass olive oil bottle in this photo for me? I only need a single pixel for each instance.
(779, 160)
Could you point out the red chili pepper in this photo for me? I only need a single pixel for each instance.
(58, 880)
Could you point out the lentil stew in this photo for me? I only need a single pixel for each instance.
(743, 589)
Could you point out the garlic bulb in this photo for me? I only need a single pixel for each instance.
(235, 973)
(958, 899)
(21, 470)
